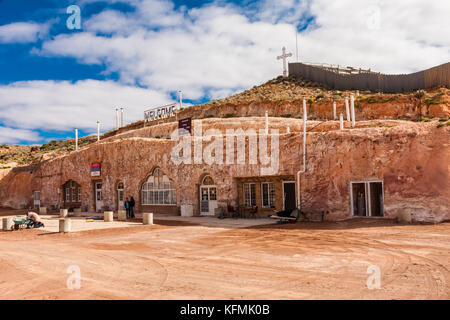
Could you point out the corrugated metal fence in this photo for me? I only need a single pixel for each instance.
(437, 76)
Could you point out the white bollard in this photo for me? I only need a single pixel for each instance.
(108, 216)
(347, 109)
(288, 130)
(63, 213)
(341, 121)
(334, 110)
(147, 218)
(8, 224)
(42, 210)
(187, 210)
(352, 108)
(65, 225)
(121, 215)
(404, 216)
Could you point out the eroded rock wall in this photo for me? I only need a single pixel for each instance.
(412, 159)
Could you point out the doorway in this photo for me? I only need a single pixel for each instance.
(120, 202)
(289, 202)
(37, 200)
(367, 198)
(71, 195)
(98, 197)
(208, 196)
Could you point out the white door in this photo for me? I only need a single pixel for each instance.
(37, 199)
(120, 201)
(208, 200)
(98, 197)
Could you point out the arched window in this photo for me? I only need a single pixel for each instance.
(208, 181)
(158, 189)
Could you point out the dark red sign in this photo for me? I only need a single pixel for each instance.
(184, 126)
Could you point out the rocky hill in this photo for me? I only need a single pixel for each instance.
(16, 155)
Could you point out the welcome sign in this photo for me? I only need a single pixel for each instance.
(160, 111)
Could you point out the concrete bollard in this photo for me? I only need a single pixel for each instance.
(8, 224)
(65, 225)
(147, 218)
(404, 216)
(63, 213)
(122, 215)
(77, 212)
(187, 210)
(42, 210)
(108, 216)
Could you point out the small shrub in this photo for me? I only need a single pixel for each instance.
(419, 94)
(229, 115)
(287, 115)
(209, 116)
(440, 125)
(433, 100)
(320, 96)
(442, 119)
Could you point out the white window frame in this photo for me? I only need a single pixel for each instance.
(167, 190)
(251, 200)
(270, 205)
(367, 191)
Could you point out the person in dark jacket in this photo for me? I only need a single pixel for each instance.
(127, 207)
(132, 203)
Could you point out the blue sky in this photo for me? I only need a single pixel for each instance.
(137, 54)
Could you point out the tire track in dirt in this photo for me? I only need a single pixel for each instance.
(395, 261)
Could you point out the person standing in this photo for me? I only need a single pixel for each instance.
(127, 207)
(132, 203)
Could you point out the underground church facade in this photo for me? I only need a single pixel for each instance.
(230, 166)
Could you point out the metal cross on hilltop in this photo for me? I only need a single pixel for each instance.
(284, 56)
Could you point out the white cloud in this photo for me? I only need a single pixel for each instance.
(387, 36)
(12, 135)
(209, 47)
(22, 32)
(224, 47)
(61, 105)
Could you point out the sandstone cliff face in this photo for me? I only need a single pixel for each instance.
(412, 159)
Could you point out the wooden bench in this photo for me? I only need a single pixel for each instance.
(290, 219)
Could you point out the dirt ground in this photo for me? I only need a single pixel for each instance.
(218, 259)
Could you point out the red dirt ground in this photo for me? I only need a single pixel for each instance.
(173, 260)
